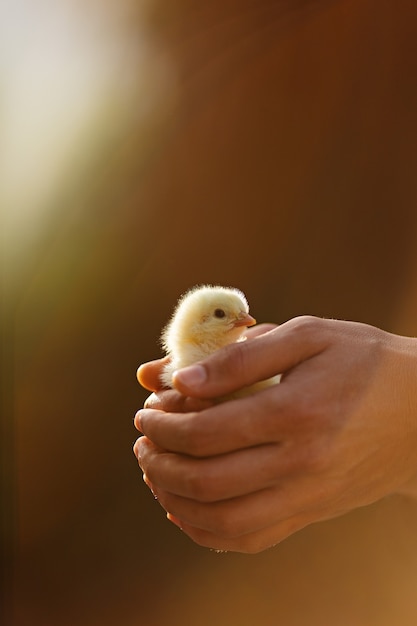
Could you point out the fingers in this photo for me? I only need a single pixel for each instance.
(247, 362)
(252, 523)
(268, 416)
(249, 522)
(170, 400)
(244, 521)
(148, 374)
(259, 329)
(237, 517)
(218, 478)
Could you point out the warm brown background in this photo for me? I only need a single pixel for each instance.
(278, 155)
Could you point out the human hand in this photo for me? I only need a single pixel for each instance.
(164, 399)
(339, 432)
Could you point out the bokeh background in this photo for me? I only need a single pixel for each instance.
(148, 146)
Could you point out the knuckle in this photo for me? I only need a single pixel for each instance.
(313, 458)
(196, 487)
(193, 442)
(199, 486)
(171, 401)
(237, 361)
(195, 404)
(308, 324)
(313, 415)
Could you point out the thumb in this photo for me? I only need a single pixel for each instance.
(244, 363)
(148, 374)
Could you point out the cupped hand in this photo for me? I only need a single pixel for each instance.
(338, 432)
(149, 374)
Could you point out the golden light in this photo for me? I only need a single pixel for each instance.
(74, 77)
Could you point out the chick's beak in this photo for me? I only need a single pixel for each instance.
(244, 319)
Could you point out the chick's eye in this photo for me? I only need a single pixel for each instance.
(219, 313)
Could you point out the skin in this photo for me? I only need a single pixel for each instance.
(339, 432)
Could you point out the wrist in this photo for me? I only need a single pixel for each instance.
(408, 369)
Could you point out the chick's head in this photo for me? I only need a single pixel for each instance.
(207, 318)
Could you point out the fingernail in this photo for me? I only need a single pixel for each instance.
(192, 376)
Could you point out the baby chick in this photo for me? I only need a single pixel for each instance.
(205, 319)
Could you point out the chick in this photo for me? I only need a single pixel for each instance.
(205, 319)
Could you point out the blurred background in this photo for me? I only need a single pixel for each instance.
(148, 146)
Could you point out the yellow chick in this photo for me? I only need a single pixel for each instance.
(205, 319)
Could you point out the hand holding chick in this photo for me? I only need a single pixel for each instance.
(338, 433)
(206, 319)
